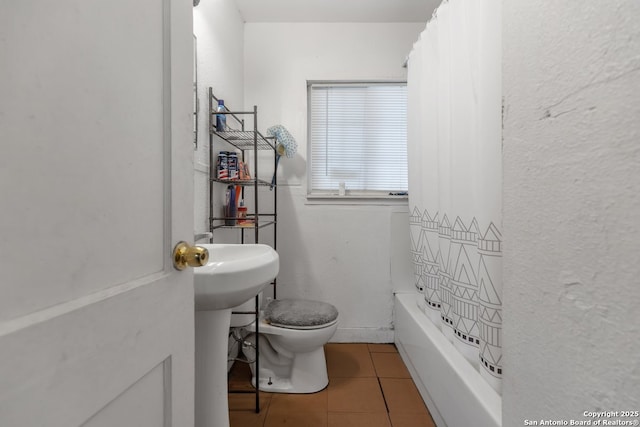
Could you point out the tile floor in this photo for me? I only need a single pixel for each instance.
(369, 386)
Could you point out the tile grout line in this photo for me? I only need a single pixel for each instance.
(384, 397)
(386, 405)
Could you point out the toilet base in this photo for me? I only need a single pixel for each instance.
(283, 385)
(306, 374)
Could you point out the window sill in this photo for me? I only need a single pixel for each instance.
(357, 199)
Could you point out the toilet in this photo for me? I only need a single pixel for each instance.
(292, 336)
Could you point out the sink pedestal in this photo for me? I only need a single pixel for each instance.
(234, 274)
(212, 335)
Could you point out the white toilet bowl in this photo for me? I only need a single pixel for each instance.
(292, 336)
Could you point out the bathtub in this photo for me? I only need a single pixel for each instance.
(452, 389)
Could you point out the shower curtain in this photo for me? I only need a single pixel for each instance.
(455, 177)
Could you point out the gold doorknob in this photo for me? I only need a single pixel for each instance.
(185, 255)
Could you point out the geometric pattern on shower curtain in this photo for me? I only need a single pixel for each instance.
(457, 268)
(454, 152)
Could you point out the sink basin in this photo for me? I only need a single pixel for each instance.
(234, 274)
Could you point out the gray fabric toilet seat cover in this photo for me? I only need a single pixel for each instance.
(299, 313)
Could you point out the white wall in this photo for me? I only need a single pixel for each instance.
(335, 253)
(219, 29)
(571, 208)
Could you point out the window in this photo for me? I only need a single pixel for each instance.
(357, 136)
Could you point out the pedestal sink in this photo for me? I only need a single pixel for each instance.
(233, 275)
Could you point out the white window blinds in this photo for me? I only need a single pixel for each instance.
(358, 135)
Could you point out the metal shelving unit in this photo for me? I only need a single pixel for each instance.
(244, 141)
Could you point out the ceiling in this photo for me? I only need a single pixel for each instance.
(337, 10)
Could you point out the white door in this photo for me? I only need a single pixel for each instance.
(96, 327)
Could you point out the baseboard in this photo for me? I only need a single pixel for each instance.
(368, 335)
